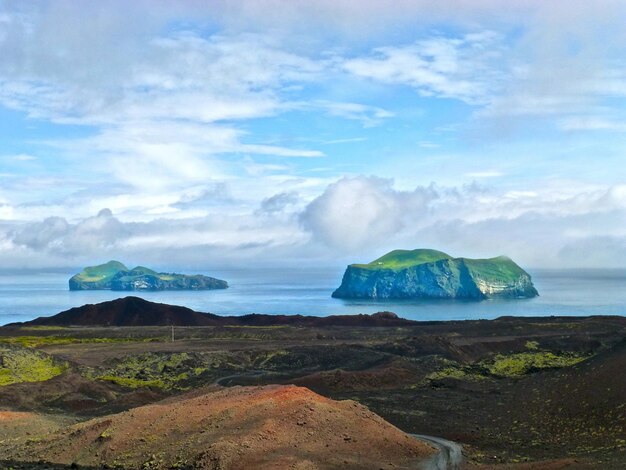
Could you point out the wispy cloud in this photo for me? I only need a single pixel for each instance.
(462, 68)
(23, 157)
(369, 115)
(344, 141)
(592, 123)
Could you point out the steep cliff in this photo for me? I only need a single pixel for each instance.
(430, 274)
(115, 276)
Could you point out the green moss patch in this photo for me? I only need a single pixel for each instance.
(505, 365)
(516, 365)
(447, 369)
(164, 371)
(460, 373)
(37, 341)
(26, 365)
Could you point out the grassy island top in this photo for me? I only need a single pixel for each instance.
(401, 259)
(106, 271)
(499, 267)
(102, 272)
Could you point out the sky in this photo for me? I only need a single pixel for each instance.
(199, 134)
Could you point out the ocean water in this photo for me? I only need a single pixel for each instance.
(307, 291)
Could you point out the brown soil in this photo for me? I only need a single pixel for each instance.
(15, 424)
(388, 376)
(558, 464)
(271, 427)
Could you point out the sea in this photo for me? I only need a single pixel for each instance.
(307, 291)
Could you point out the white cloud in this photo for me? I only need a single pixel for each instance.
(368, 115)
(218, 237)
(279, 202)
(278, 151)
(22, 157)
(355, 212)
(461, 68)
(353, 218)
(367, 215)
(592, 123)
(344, 141)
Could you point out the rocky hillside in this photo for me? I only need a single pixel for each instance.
(431, 274)
(116, 276)
(135, 311)
(128, 311)
(267, 427)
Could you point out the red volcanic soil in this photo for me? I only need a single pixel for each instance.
(18, 424)
(270, 427)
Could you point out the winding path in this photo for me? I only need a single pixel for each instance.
(449, 457)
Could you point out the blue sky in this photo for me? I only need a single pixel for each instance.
(218, 133)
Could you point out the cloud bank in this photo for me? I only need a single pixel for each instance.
(357, 217)
(230, 131)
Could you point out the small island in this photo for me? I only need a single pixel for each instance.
(432, 274)
(116, 276)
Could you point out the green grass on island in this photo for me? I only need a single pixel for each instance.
(102, 272)
(107, 271)
(401, 259)
(498, 268)
(116, 276)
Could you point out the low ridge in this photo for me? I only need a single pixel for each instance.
(128, 311)
(135, 311)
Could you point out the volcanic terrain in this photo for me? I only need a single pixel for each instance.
(514, 392)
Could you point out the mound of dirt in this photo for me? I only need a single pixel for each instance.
(271, 427)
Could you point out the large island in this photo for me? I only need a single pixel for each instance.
(432, 274)
(116, 276)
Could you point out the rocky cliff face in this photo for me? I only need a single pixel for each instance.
(78, 284)
(179, 282)
(455, 278)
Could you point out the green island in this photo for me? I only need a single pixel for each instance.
(432, 274)
(116, 276)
